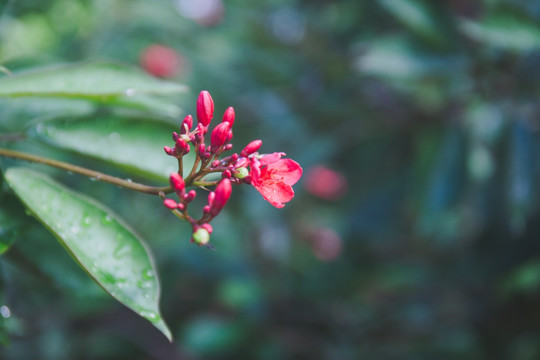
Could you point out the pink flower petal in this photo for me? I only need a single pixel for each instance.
(268, 159)
(288, 170)
(276, 193)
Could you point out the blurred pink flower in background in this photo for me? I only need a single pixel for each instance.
(161, 61)
(203, 12)
(325, 242)
(325, 183)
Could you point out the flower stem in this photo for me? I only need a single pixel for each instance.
(86, 172)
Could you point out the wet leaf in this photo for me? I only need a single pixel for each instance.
(505, 30)
(116, 258)
(417, 15)
(12, 219)
(95, 80)
(135, 146)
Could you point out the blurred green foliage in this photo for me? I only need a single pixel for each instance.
(428, 108)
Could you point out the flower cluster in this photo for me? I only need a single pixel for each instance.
(271, 174)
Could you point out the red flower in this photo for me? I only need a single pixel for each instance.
(275, 179)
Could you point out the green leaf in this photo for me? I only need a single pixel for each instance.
(135, 146)
(12, 219)
(506, 30)
(98, 240)
(417, 15)
(37, 246)
(95, 80)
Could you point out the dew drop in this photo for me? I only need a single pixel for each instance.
(5, 311)
(130, 92)
(107, 219)
(121, 251)
(144, 284)
(148, 274)
(75, 229)
(150, 315)
(87, 221)
(115, 138)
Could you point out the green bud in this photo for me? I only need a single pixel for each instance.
(201, 236)
(241, 173)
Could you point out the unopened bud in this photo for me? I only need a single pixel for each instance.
(177, 182)
(205, 108)
(190, 196)
(219, 135)
(241, 162)
(227, 147)
(187, 123)
(202, 149)
(251, 148)
(181, 206)
(168, 150)
(181, 147)
(241, 173)
(226, 174)
(215, 163)
(229, 135)
(206, 209)
(170, 204)
(201, 130)
(211, 197)
(223, 193)
(201, 236)
(175, 136)
(228, 116)
(207, 227)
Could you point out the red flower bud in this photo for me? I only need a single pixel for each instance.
(229, 135)
(219, 135)
(168, 150)
(223, 193)
(170, 204)
(206, 209)
(201, 130)
(202, 149)
(226, 174)
(211, 197)
(227, 147)
(177, 182)
(175, 136)
(228, 116)
(181, 147)
(241, 162)
(251, 148)
(161, 61)
(207, 227)
(190, 196)
(181, 206)
(205, 108)
(187, 123)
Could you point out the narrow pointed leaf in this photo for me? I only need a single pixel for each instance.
(505, 30)
(135, 146)
(86, 80)
(116, 258)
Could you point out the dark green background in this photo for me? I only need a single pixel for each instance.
(429, 108)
